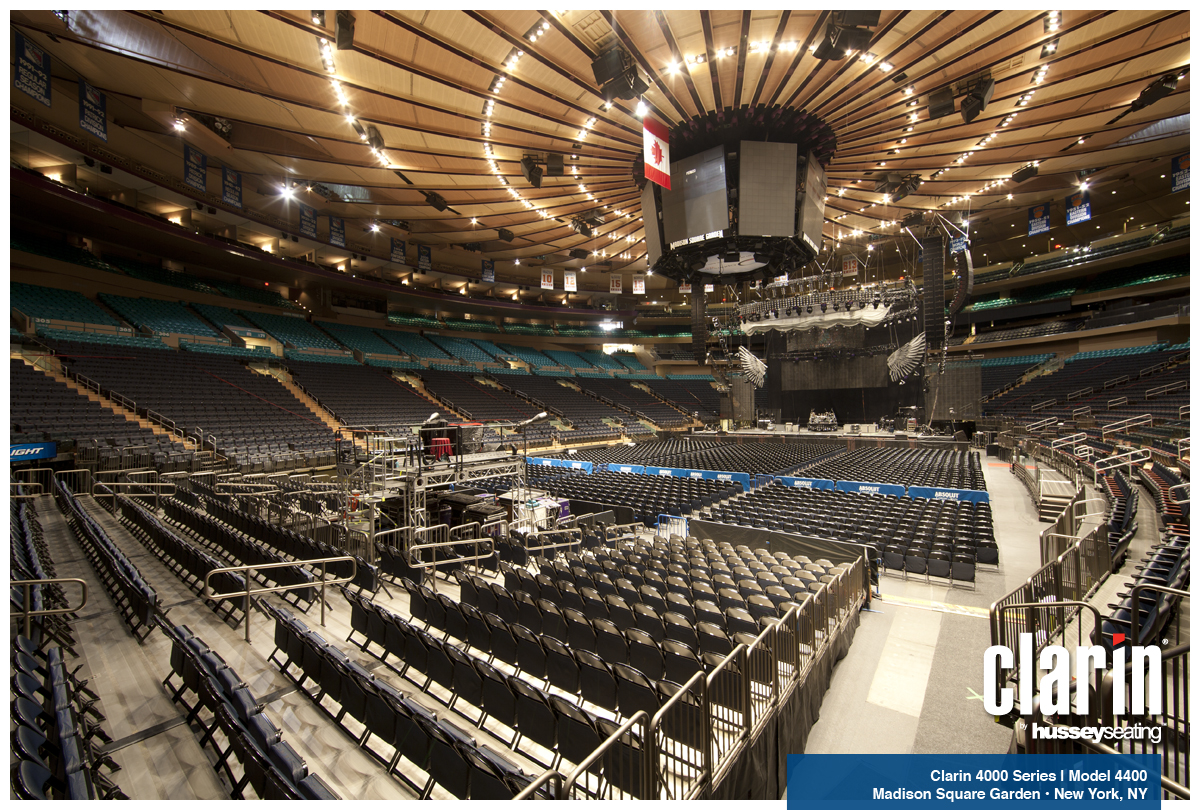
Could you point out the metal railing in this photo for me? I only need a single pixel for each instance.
(1082, 392)
(19, 492)
(625, 759)
(1041, 406)
(1042, 423)
(1116, 403)
(27, 613)
(1125, 424)
(1044, 621)
(1128, 459)
(1185, 410)
(245, 571)
(1165, 389)
(1068, 441)
(1078, 413)
(1115, 381)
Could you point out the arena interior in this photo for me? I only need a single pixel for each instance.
(587, 404)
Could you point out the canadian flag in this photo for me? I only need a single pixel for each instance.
(657, 153)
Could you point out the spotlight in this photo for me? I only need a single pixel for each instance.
(318, 18)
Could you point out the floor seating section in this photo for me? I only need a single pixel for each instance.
(251, 417)
(50, 304)
(915, 536)
(357, 337)
(294, 330)
(363, 395)
(956, 469)
(158, 316)
(647, 495)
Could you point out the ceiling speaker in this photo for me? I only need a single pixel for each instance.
(941, 103)
(1024, 173)
(554, 165)
(504, 234)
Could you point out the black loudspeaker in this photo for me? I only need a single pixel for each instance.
(532, 171)
(505, 234)
(941, 103)
(344, 31)
(959, 436)
(854, 39)
(1024, 173)
(966, 279)
(933, 287)
(578, 253)
(869, 19)
(554, 165)
(977, 100)
(608, 66)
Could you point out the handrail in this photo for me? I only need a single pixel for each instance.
(19, 495)
(1041, 423)
(546, 776)
(1117, 403)
(27, 614)
(613, 739)
(1185, 410)
(1135, 612)
(447, 544)
(1032, 606)
(1123, 459)
(1163, 389)
(1082, 392)
(1041, 406)
(567, 544)
(1115, 381)
(1125, 424)
(1073, 439)
(1086, 410)
(245, 570)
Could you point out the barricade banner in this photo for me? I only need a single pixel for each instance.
(869, 488)
(944, 494)
(806, 483)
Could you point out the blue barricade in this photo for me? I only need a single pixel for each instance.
(944, 494)
(711, 475)
(627, 468)
(868, 488)
(586, 466)
(806, 483)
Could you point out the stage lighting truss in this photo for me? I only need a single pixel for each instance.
(899, 298)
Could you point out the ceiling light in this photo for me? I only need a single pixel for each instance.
(179, 125)
(642, 109)
(908, 91)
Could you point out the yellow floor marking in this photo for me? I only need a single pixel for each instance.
(941, 607)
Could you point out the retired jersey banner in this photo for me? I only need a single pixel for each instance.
(569, 281)
(547, 279)
(231, 187)
(1181, 173)
(657, 153)
(639, 284)
(686, 289)
(399, 251)
(93, 106)
(308, 221)
(424, 258)
(195, 168)
(1079, 207)
(849, 265)
(489, 271)
(1039, 219)
(32, 75)
(337, 232)
(614, 283)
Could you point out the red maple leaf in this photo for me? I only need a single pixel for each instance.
(656, 153)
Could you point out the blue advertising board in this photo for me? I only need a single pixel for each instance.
(32, 452)
(32, 74)
(195, 168)
(626, 468)
(585, 466)
(231, 187)
(806, 483)
(308, 221)
(1181, 172)
(944, 494)
(870, 488)
(1039, 219)
(93, 106)
(1079, 207)
(710, 475)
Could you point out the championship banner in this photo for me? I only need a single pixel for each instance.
(957, 244)
(32, 75)
(308, 221)
(399, 251)
(569, 282)
(547, 279)
(614, 283)
(1079, 207)
(337, 232)
(1039, 219)
(686, 289)
(1181, 173)
(708, 288)
(639, 284)
(231, 187)
(93, 106)
(424, 258)
(489, 271)
(657, 153)
(195, 168)
(849, 265)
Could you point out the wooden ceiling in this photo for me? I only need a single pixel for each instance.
(428, 82)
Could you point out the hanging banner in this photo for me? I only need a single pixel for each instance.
(231, 187)
(708, 288)
(424, 258)
(1039, 219)
(195, 168)
(308, 221)
(547, 279)
(614, 283)
(1079, 207)
(32, 75)
(399, 251)
(1181, 173)
(93, 106)
(781, 279)
(686, 289)
(639, 284)
(489, 271)
(569, 282)
(657, 153)
(337, 232)
(849, 265)
(957, 244)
